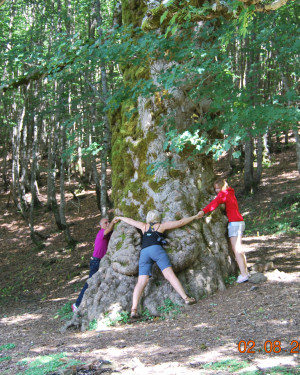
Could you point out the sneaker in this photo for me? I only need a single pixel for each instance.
(74, 307)
(189, 301)
(242, 279)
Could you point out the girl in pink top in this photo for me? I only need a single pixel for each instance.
(236, 224)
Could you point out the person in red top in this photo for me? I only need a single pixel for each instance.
(236, 225)
(100, 249)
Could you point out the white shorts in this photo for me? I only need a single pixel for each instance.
(236, 228)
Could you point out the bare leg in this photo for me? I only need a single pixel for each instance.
(236, 243)
(174, 281)
(138, 290)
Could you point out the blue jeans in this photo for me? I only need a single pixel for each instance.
(94, 266)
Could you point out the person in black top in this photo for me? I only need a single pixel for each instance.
(152, 251)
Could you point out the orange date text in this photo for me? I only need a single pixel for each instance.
(268, 347)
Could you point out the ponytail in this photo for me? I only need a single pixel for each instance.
(222, 183)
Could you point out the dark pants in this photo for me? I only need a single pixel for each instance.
(94, 266)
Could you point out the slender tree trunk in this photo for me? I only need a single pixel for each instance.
(19, 195)
(248, 165)
(297, 138)
(267, 155)
(24, 162)
(6, 147)
(286, 84)
(94, 169)
(259, 160)
(33, 183)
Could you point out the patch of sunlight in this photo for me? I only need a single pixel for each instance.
(215, 354)
(59, 299)
(281, 276)
(80, 278)
(273, 361)
(12, 226)
(39, 227)
(201, 325)
(17, 319)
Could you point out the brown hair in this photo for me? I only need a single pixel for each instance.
(222, 183)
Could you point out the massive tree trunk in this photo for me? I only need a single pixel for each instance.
(199, 253)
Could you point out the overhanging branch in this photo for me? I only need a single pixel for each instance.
(25, 79)
(217, 8)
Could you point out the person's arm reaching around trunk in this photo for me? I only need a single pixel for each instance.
(111, 226)
(177, 224)
(134, 223)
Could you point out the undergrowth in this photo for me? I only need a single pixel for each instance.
(65, 312)
(169, 309)
(47, 364)
(282, 218)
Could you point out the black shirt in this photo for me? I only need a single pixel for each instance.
(152, 237)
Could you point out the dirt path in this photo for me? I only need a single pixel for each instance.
(35, 286)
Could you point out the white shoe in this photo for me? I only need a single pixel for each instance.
(74, 307)
(242, 279)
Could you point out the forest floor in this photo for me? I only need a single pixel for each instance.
(225, 333)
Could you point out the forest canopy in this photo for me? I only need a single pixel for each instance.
(68, 66)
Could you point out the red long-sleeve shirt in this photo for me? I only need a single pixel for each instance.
(231, 205)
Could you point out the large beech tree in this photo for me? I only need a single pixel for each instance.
(177, 185)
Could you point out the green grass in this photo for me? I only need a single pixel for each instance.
(122, 317)
(93, 325)
(44, 365)
(7, 358)
(7, 347)
(7, 291)
(230, 365)
(65, 312)
(169, 309)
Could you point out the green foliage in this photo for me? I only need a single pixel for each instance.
(7, 358)
(7, 291)
(209, 59)
(146, 315)
(93, 325)
(122, 318)
(169, 309)
(7, 347)
(65, 312)
(230, 280)
(230, 365)
(44, 365)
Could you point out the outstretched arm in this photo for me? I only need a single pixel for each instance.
(177, 224)
(111, 226)
(200, 214)
(134, 223)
